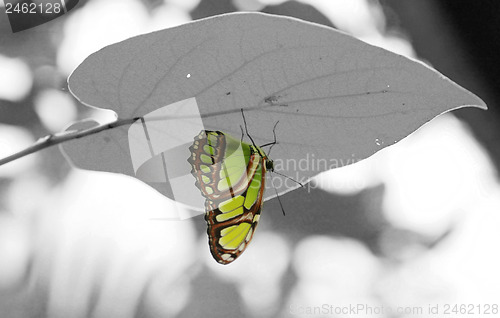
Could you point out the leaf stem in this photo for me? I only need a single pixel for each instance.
(55, 139)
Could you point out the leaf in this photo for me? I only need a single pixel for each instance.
(338, 100)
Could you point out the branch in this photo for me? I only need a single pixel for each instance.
(52, 140)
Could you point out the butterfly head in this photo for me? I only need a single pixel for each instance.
(269, 164)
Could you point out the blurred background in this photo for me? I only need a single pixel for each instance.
(415, 225)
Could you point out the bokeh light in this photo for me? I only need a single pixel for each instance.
(50, 102)
(448, 171)
(16, 79)
(12, 140)
(96, 25)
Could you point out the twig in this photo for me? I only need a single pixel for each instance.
(52, 140)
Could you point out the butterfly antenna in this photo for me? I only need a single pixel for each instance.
(242, 133)
(284, 175)
(246, 128)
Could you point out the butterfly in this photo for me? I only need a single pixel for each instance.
(231, 175)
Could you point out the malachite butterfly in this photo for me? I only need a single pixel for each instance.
(231, 176)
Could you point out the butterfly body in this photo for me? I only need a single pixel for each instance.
(231, 177)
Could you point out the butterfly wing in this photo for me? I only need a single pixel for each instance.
(231, 176)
